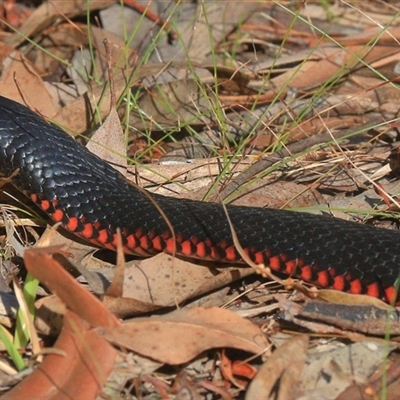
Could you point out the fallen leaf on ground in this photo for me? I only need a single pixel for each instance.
(180, 336)
(19, 78)
(78, 368)
(108, 142)
(166, 281)
(41, 264)
(82, 360)
(285, 365)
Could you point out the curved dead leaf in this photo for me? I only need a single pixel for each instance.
(180, 336)
(41, 264)
(108, 142)
(164, 281)
(285, 364)
(79, 374)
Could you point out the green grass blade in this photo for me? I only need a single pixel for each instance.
(21, 337)
(12, 350)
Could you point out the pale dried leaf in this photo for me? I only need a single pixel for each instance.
(49, 12)
(285, 364)
(180, 336)
(166, 281)
(332, 61)
(77, 369)
(108, 142)
(19, 77)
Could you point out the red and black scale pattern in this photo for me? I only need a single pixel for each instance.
(92, 200)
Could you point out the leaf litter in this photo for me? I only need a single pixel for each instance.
(241, 80)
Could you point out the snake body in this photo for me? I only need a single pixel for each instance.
(91, 199)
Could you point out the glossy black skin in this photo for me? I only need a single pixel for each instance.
(54, 167)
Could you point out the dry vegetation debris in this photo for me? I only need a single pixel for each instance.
(267, 103)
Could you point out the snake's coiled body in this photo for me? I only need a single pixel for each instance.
(92, 200)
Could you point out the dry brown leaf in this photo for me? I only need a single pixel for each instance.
(5, 51)
(20, 77)
(389, 36)
(122, 307)
(78, 370)
(278, 194)
(334, 296)
(59, 43)
(317, 125)
(180, 336)
(83, 360)
(165, 281)
(193, 176)
(50, 11)
(232, 79)
(331, 62)
(285, 364)
(108, 142)
(79, 251)
(216, 19)
(41, 264)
